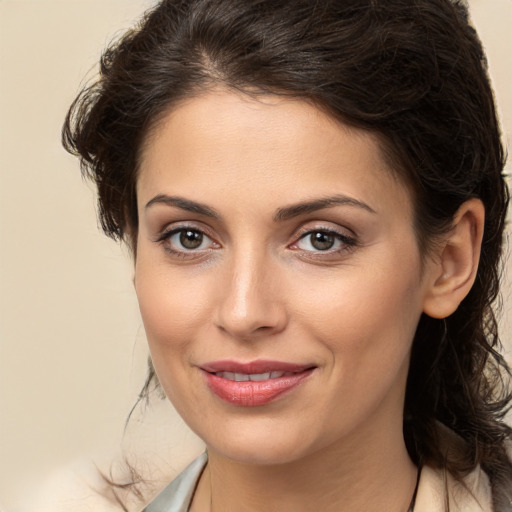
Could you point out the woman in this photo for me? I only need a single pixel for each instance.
(314, 197)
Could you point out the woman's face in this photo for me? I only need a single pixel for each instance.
(278, 277)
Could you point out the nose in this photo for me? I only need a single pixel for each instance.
(251, 303)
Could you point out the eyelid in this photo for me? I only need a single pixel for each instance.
(348, 241)
(343, 232)
(176, 227)
(323, 226)
(164, 236)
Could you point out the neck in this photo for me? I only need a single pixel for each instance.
(377, 475)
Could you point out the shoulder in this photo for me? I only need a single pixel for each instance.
(156, 444)
(77, 487)
(438, 491)
(80, 487)
(177, 496)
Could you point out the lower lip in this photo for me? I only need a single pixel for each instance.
(254, 393)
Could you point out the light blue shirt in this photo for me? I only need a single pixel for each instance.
(177, 496)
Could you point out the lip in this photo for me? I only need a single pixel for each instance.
(253, 393)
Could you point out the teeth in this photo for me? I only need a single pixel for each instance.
(244, 377)
(260, 376)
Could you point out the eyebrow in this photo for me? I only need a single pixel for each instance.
(282, 214)
(183, 204)
(319, 204)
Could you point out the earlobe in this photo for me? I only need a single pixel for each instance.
(453, 269)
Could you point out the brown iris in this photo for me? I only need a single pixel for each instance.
(191, 239)
(322, 241)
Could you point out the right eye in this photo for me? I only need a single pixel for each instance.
(186, 240)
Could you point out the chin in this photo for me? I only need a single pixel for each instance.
(258, 455)
(259, 446)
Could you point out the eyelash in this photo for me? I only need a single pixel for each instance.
(165, 237)
(346, 242)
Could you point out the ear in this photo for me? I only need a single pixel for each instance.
(452, 269)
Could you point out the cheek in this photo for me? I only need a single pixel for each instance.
(168, 317)
(169, 307)
(367, 325)
(366, 312)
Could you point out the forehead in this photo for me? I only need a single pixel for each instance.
(225, 141)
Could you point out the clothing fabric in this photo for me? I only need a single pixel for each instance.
(437, 491)
(177, 496)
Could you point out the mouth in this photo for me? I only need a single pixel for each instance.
(253, 384)
(253, 377)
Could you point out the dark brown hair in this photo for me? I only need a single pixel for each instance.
(413, 72)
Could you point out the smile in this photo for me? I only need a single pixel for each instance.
(253, 384)
(255, 377)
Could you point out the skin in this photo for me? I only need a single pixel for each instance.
(257, 288)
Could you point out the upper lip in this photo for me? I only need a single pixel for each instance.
(254, 367)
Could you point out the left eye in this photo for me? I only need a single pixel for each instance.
(320, 241)
(188, 240)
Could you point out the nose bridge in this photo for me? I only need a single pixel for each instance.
(250, 301)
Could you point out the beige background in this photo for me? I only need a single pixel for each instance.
(72, 350)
